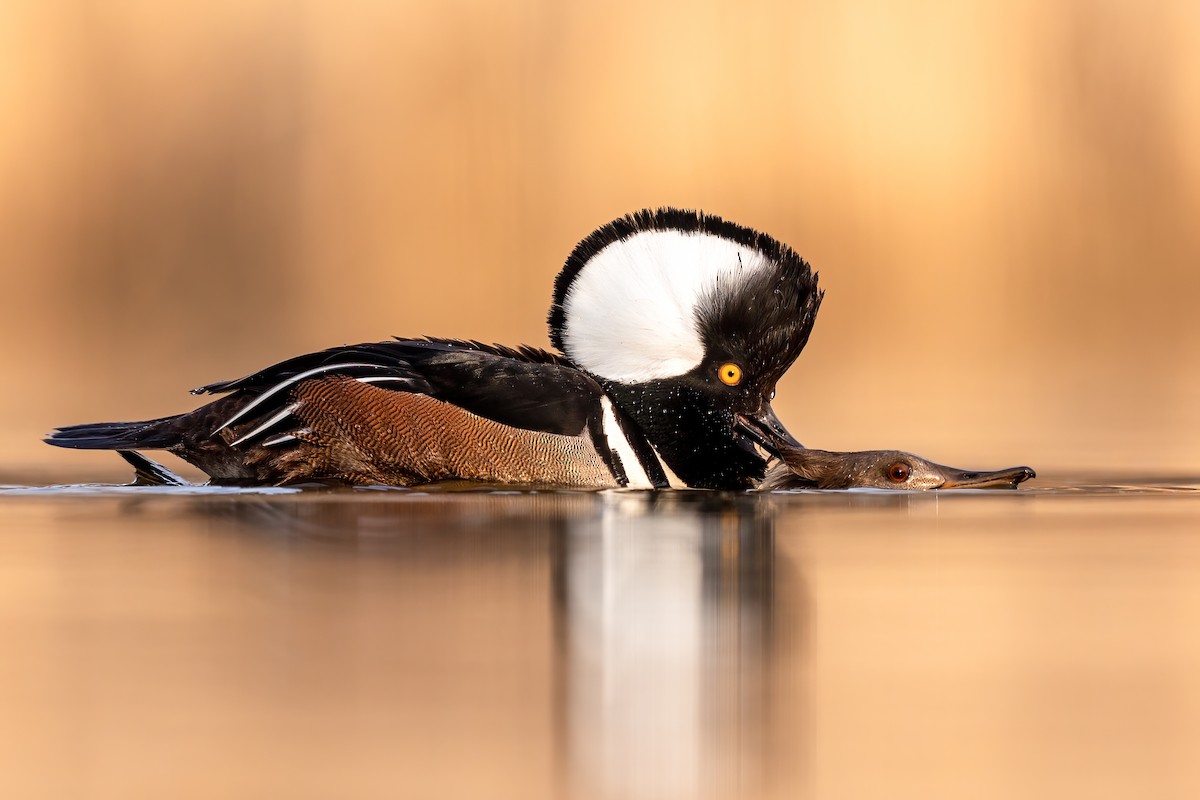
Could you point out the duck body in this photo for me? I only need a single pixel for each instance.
(674, 327)
(403, 412)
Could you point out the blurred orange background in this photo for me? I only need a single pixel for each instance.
(1002, 199)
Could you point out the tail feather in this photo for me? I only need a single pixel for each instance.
(154, 434)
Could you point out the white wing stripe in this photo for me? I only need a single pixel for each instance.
(282, 438)
(273, 420)
(384, 378)
(283, 385)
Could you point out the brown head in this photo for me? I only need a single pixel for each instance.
(803, 468)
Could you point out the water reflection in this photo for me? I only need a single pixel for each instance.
(663, 620)
(573, 644)
(661, 610)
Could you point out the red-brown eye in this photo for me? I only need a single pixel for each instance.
(899, 472)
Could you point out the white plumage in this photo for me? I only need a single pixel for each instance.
(631, 313)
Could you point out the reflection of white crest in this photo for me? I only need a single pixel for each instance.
(664, 638)
(630, 313)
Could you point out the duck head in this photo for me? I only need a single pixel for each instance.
(688, 321)
(804, 468)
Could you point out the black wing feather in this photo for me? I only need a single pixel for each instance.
(393, 355)
(522, 387)
(541, 397)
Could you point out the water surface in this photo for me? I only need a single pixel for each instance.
(390, 643)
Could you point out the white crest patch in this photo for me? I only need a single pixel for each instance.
(630, 313)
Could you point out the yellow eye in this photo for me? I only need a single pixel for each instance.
(730, 374)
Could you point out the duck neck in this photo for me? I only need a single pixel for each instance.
(694, 439)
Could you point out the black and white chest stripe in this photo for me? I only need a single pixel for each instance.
(633, 461)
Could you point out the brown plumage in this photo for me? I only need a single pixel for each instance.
(362, 434)
(402, 414)
(806, 468)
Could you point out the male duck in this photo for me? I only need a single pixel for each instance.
(674, 327)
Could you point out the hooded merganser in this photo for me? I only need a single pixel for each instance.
(805, 468)
(674, 326)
